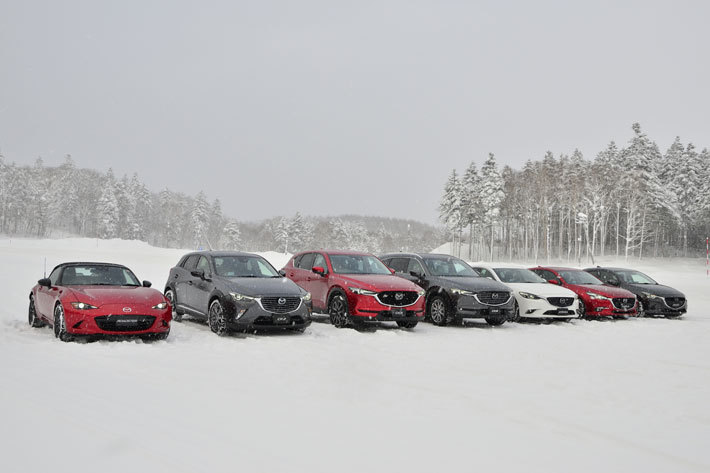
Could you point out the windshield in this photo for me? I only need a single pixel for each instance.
(578, 277)
(98, 275)
(518, 275)
(449, 267)
(247, 266)
(358, 264)
(634, 277)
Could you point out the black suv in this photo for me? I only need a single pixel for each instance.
(654, 299)
(454, 291)
(236, 291)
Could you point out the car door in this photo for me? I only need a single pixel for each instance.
(184, 280)
(201, 288)
(44, 302)
(414, 266)
(317, 284)
(301, 271)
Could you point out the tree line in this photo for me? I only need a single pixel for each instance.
(44, 201)
(632, 201)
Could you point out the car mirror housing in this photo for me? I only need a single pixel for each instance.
(45, 282)
(147, 283)
(198, 273)
(416, 274)
(553, 281)
(282, 272)
(318, 270)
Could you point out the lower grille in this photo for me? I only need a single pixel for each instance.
(624, 303)
(280, 305)
(124, 323)
(675, 302)
(493, 298)
(397, 298)
(561, 301)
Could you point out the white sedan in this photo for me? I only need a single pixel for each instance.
(535, 298)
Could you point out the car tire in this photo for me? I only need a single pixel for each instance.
(32, 318)
(338, 310)
(60, 324)
(641, 311)
(216, 318)
(495, 321)
(582, 309)
(407, 323)
(170, 296)
(439, 311)
(516, 313)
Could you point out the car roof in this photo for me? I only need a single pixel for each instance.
(93, 263)
(610, 268)
(341, 252)
(220, 253)
(557, 268)
(506, 265)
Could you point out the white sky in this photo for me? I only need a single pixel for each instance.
(328, 107)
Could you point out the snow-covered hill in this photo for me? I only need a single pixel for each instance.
(626, 395)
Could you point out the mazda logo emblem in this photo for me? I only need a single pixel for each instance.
(494, 295)
(282, 300)
(127, 309)
(399, 296)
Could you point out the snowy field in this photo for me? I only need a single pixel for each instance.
(586, 396)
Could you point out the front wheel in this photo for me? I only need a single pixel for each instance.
(338, 311)
(641, 310)
(516, 313)
(170, 296)
(582, 310)
(407, 323)
(439, 312)
(33, 320)
(216, 318)
(60, 324)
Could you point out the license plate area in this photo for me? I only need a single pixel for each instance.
(494, 311)
(564, 312)
(280, 319)
(398, 312)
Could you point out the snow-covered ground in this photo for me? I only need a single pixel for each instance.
(628, 395)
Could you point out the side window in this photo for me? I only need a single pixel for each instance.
(297, 261)
(204, 265)
(399, 264)
(415, 266)
(547, 275)
(320, 261)
(190, 262)
(306, 261)
(484, 273)
(608, 277)
(54, 277)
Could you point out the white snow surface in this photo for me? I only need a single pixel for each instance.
(624, 395)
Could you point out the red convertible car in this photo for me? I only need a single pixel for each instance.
(98, 299)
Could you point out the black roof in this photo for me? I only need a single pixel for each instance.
(420, 255)
(220, 253)
(94, 263)
(611, 268)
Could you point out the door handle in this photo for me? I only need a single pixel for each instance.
(190, 283)
(176, 276)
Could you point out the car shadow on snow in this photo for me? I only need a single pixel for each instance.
(202, 326)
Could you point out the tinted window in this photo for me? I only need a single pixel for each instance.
(358, 264)
(306, 261)
(517, 275)
(578, 277)
(449, 266)
(54, 276)
(635, 277)
(399, 264)
(191, 262)
(484, 273)
(203, 265)
(545, 274)
(320, 261)
(98, 275)
(248, 266)
(415, 266)
(297, 260)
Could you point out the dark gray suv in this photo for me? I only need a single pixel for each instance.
(454, 291)
(236, 291)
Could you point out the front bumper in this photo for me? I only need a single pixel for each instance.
(108, 322)
(468, 307)
(660, 307)
(368, 308)
(542, 309)
(253, 316)
(605, 308)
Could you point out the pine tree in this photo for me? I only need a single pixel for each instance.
(491, 195)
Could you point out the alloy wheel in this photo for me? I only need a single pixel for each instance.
(437, 311)
(216, 318)
(338, 311)
(170, 296)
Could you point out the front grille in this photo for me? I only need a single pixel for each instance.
(280, 305)
(493, 298)
(624, 303)
(675, 302)
(397, 298)
(124, 323)
(561, 301)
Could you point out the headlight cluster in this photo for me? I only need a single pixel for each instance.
(648, 295)
(598, 297)
(527, 295)
(462, 292)
(362, 292)
(83, 306)
(421, 293)
(306, 297)
(241, 297)
(160, 306)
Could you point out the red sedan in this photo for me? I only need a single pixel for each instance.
(98, 299)
(354, 288)
(595, 298)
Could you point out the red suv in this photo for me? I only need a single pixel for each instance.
(354, 288)
(595, 298)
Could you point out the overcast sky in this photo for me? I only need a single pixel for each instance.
(328, 107)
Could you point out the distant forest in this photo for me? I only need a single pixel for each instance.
(41, 201)
(632, 201)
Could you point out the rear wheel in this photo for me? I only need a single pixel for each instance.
(33, 320)
(170, 296)
(407, 323)
(60, 324)
(439, 311)
(216, 318)
(338, 310)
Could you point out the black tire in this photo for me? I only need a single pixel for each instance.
(582, 310)
(170, 296)
(516, 313)
(338, 310)
(32, 318)
(407, 323)
(439, 311)
(60, 324)
(495, 321)
(641, 310)
(216, 318)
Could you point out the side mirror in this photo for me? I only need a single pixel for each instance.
(318, 270)
(391, 270)
(553, 281)
(46, 282)
(147, 283)
(282, 272)
(416, 275)
(614, 282)
(198, 273)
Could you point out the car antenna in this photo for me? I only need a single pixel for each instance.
(45, 266)
(209, 245)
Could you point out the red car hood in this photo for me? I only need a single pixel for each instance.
(378, 282)
(606, 291)
(127, 295)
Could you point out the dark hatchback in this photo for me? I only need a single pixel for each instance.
(454, 291)
(236, 291)
(654, 298)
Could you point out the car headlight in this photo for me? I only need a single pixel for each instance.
(598, 297)
(362, 292)
(527, 295)
(241, 297)
(83, 306)
(160, 306)
(306, 297)
(462, 292)
(648, 295)
(421, 293)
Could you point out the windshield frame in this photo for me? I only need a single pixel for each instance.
(527, 272)
(630, 273)
(452, 260)
(258, 258)
(126, 271)
(333, 257)
(563, 272)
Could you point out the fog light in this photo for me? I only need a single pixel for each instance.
(240, 313)
(599, 309)
(530, 311)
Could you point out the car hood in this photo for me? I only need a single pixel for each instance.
(258, 287)
(473, 284)
(378, 282)
(541, 289)
(656, 289)
(607, 291)
(106, 295)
